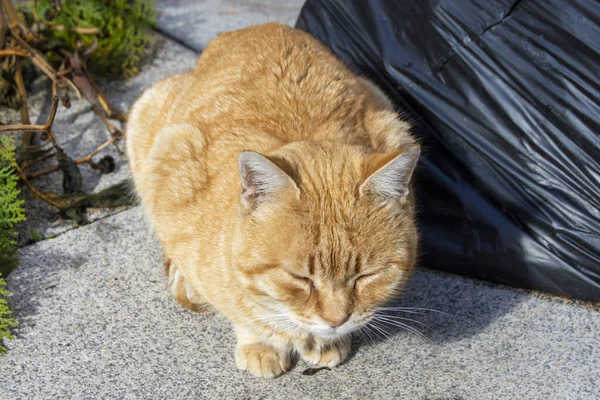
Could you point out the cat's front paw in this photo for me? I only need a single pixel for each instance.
(261, 360)
(322, 353)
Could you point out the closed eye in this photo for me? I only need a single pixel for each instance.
(365, 279)
(303, 279)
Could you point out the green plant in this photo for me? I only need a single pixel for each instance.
(120, 26)
(11, 212)
(11, 208)
(6, 322)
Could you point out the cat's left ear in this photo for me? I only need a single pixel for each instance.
(390, 174)
(262, 179)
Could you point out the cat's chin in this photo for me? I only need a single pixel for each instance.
(332, 336)
(333, 333)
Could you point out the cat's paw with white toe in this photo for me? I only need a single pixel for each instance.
(261, 360)
(326, 353)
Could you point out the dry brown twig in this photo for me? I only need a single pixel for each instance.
(46, 128)
(15, 39)
(11, 52)
(83, 160)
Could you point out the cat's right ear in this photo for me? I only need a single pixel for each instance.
(262, 179)
(392, 174)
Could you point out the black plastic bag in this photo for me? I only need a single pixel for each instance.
(506, 99)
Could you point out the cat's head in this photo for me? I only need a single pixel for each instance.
(325, 234)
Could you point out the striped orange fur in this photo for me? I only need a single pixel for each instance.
(278, 183)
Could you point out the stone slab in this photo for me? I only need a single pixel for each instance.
(96, 322)
(195, 22)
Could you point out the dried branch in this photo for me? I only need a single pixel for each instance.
(13, 18)
(111, 111)
(36, 58)
(27, 136)
(22, 127)
(11, 52)
(35, 128)
(38, 160)
(114, 196)
(37, 193)
(83, 160)
(3, 25)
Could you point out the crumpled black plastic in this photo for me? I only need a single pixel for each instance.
(505, 98)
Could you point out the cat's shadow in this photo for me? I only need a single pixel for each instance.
(441, 308)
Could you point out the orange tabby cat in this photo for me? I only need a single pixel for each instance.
(278, 184)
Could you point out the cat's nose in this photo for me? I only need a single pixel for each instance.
(335, 321)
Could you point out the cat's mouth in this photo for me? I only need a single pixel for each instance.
(288, 322)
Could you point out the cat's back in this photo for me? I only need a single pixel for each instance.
(269, 76)
(269, 49)
(279, 80)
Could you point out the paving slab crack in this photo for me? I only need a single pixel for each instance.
(56, 235)
(174, 38)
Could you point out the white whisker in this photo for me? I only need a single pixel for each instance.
(365, 333)
(266, 318)
(389, 317)
(410, 309)
(408, 328)
(285, 329)
(407, 312)
(370, 330)
(380, 329)
(360, 335)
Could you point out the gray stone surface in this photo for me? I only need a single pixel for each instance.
(194, 23)
(96, 322)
